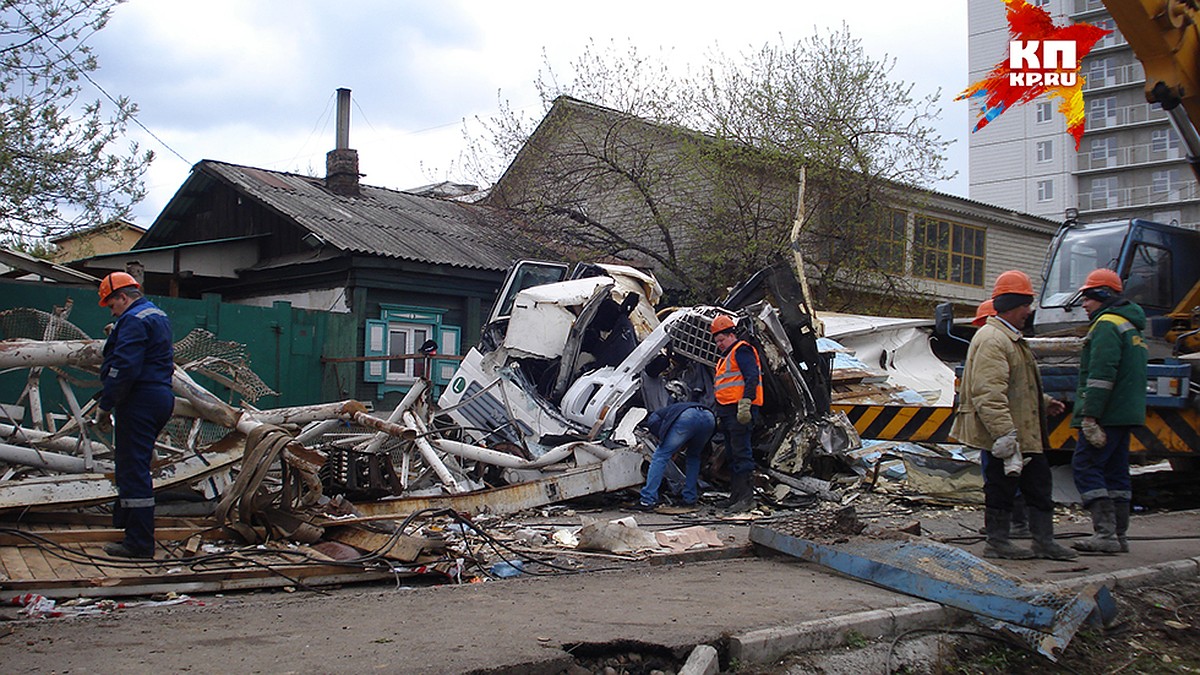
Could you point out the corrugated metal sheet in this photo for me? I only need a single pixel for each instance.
(385, 222)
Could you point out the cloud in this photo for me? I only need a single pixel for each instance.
(253, 82)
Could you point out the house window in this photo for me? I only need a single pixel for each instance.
(1102, 72)
(1105, 193)
(1113, 38)
(1045, 190)
(1162, 140)
(1045, 151)
(1163, 182)
(405, 339)
(399, 333)
(889, 244)
(946, 251)
(1103, 151)
(1102, 112)
(1044, 112)
(1039, 3)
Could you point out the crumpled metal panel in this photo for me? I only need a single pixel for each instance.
(1047, 619)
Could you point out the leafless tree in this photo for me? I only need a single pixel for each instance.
(698, 173)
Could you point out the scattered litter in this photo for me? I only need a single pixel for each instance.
(617, 536)
(688, 538)
(507, 568)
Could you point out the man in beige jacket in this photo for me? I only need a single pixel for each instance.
(1002, 411)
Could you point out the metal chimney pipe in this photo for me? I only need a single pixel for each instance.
(343, 119)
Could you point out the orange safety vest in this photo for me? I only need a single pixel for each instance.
(728, 382)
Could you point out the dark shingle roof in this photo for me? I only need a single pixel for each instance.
(384, 222)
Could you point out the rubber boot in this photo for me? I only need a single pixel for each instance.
(1104, 523)
(997, 522)
(1121, 509)
(139, 532)
(1020, 520)
(1041, 527)
(741, 497)
(733, 494)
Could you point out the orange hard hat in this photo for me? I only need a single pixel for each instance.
(720, 324)
(1012, 281)
(984, 310)
(114, 281)
(1102, 278)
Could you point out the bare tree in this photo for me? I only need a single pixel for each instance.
(59, 167)
(698, 173)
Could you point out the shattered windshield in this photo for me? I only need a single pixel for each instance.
(1081, 251)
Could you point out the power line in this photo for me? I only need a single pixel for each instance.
(95, 84)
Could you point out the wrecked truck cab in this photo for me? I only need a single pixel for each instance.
(586, 359)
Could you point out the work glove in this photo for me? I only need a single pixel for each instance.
(1014, 463)
(743, 415)
(1093, 433)
(1006, 446)
(103, 420)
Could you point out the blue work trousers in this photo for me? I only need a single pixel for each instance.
(138, 420)
(1103, 472)
(691, 431)
(739, 453)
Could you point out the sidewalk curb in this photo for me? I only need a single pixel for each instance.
(770, 644)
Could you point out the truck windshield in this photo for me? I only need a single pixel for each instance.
(1081, 251)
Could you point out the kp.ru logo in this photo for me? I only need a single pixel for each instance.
(1043, 60)
(1047, 63)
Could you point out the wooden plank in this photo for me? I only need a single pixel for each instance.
(14, 564)
(92, 535)
(36, 562)
(57, 519)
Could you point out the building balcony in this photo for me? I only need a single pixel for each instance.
(1127, 156)
(1139, 113)
(1142, 195)
(1121, 76)
(1087, 7)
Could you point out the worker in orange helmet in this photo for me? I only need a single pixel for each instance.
(1001, 411)
(1110, 402)
(982, 312)
(136, 379)
(737, 386)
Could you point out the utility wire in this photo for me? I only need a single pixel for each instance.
(95, 84)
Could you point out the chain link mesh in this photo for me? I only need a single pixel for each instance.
(24, 323)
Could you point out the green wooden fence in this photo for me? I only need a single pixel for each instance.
(285, 345)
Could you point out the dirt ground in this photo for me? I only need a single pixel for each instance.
(1157, 630)
(634, 617)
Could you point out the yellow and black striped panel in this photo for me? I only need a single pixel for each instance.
(900, 422)
(1168, 431)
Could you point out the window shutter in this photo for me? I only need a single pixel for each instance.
(375, 344)
(448, 344)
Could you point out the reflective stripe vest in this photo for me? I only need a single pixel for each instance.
(728, 382)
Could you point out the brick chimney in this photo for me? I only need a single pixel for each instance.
(341, 163)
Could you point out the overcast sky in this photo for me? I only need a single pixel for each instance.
(252, 81)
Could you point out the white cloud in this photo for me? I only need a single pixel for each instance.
(252, 82)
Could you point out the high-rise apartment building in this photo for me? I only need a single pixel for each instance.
(1130, 162)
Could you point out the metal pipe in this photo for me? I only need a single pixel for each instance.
(414, 393)
(317, 430)
(15, 454)
(429, 454)
(497, 458)
(384, 427)
(507, 461)
(42, 438)
(73, 405)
